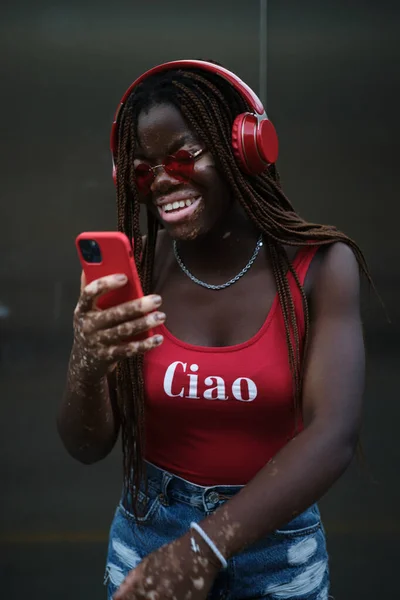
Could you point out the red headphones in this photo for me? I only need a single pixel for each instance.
(254, 138)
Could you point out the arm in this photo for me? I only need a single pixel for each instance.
(306, 468)
(88, 421)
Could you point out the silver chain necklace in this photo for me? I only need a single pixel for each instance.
(223, 285)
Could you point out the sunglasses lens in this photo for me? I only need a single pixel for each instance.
(144, 177)
(180, 165)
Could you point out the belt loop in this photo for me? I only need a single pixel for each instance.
(205, 499)
(166, 478)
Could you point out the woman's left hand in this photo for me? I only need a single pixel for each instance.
(176, 571)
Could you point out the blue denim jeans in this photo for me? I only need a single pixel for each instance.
(291, 562)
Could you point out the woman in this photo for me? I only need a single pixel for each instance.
(241, 412)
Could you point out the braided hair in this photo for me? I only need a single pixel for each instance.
(209, 104)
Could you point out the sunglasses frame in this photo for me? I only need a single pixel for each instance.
(193, 156)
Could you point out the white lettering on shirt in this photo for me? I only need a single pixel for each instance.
(169, 378)
(193, 379)
(251, 389)
(219, 388)
(242, 389)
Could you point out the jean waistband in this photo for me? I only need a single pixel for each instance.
(170, 486)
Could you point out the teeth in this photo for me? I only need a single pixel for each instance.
(176, 205)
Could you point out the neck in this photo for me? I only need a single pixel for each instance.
(224, 248)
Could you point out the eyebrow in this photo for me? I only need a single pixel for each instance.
(172, 147)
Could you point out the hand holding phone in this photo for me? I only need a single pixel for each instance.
(113, 319)
(105, 253)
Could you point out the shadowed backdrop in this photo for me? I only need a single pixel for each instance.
(332, 92)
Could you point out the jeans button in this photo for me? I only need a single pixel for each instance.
(213, 497)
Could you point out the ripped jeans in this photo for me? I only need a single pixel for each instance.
(291, 562)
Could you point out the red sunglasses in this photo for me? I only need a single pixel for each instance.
(179, 165)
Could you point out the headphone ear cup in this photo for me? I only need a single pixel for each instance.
(244, 144)
(254, 143)
(267, 141)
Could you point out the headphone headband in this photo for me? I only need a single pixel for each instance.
(233, 79)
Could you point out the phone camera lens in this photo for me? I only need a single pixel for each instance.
(90, 251)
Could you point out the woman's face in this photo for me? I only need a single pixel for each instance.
(162, 131)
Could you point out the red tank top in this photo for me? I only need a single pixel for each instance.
(216, 416)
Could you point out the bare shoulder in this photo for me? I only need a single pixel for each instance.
(338, 264)
(336, 278)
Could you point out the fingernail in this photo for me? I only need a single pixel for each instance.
(158, 339)
(160, 316)
(157, 300)
(120, 277)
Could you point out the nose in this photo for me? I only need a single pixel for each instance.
(162, 180)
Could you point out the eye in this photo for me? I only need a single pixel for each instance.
(183, 156)
(142, 168)
(144, 176)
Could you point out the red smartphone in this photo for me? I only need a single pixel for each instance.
(104, 253)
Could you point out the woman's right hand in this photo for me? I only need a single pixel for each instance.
(103, 337)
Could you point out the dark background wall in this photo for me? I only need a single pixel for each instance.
(332, 92)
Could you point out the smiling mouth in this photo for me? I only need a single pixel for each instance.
(178, 210)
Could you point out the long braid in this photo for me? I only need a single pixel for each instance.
(209, 105)
(130, 383)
